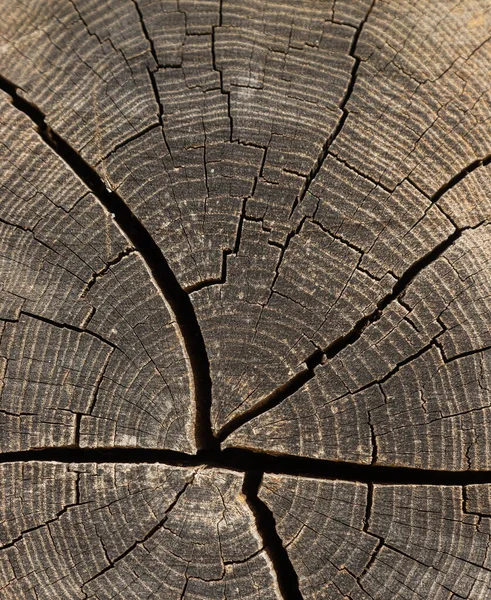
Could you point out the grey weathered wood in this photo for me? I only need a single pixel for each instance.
(85, 330)
(414, 390)
(102, 531)
(317, 177)
(411, 542)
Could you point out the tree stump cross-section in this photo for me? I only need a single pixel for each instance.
(245, 282)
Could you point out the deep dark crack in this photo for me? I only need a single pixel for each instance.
(240, 460)
(265, 524)
(179, 302)
(177, 299)
(318, 357)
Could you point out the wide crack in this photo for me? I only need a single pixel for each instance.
(241, 460)
(286, 576)
(139, 237)
(253, 464)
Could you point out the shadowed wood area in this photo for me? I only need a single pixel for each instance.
(245, 282)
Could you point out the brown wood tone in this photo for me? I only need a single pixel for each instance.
(245, 283)
(136, 531)
(346, 540)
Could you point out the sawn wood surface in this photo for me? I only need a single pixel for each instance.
(245, 299)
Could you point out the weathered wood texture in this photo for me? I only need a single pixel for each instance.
(233, 229)
(409, 542)
(134, 531)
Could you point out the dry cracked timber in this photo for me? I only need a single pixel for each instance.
(245, 258)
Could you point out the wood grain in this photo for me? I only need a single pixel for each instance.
(245, 254)
(90, 349)
(408, 542)
(101, 531)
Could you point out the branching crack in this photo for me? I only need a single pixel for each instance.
(55, 518)
(241, 460)
(232, 251)
(252, 464)
(106, 268)
(366, 527)
(354, 72)
(226, 253)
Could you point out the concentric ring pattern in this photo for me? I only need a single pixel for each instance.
(245, 228)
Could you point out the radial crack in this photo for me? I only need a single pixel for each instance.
(316, 358)
(241, 460)
(149, 534)
(286, 576)
(163, 277)
(340, 124)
